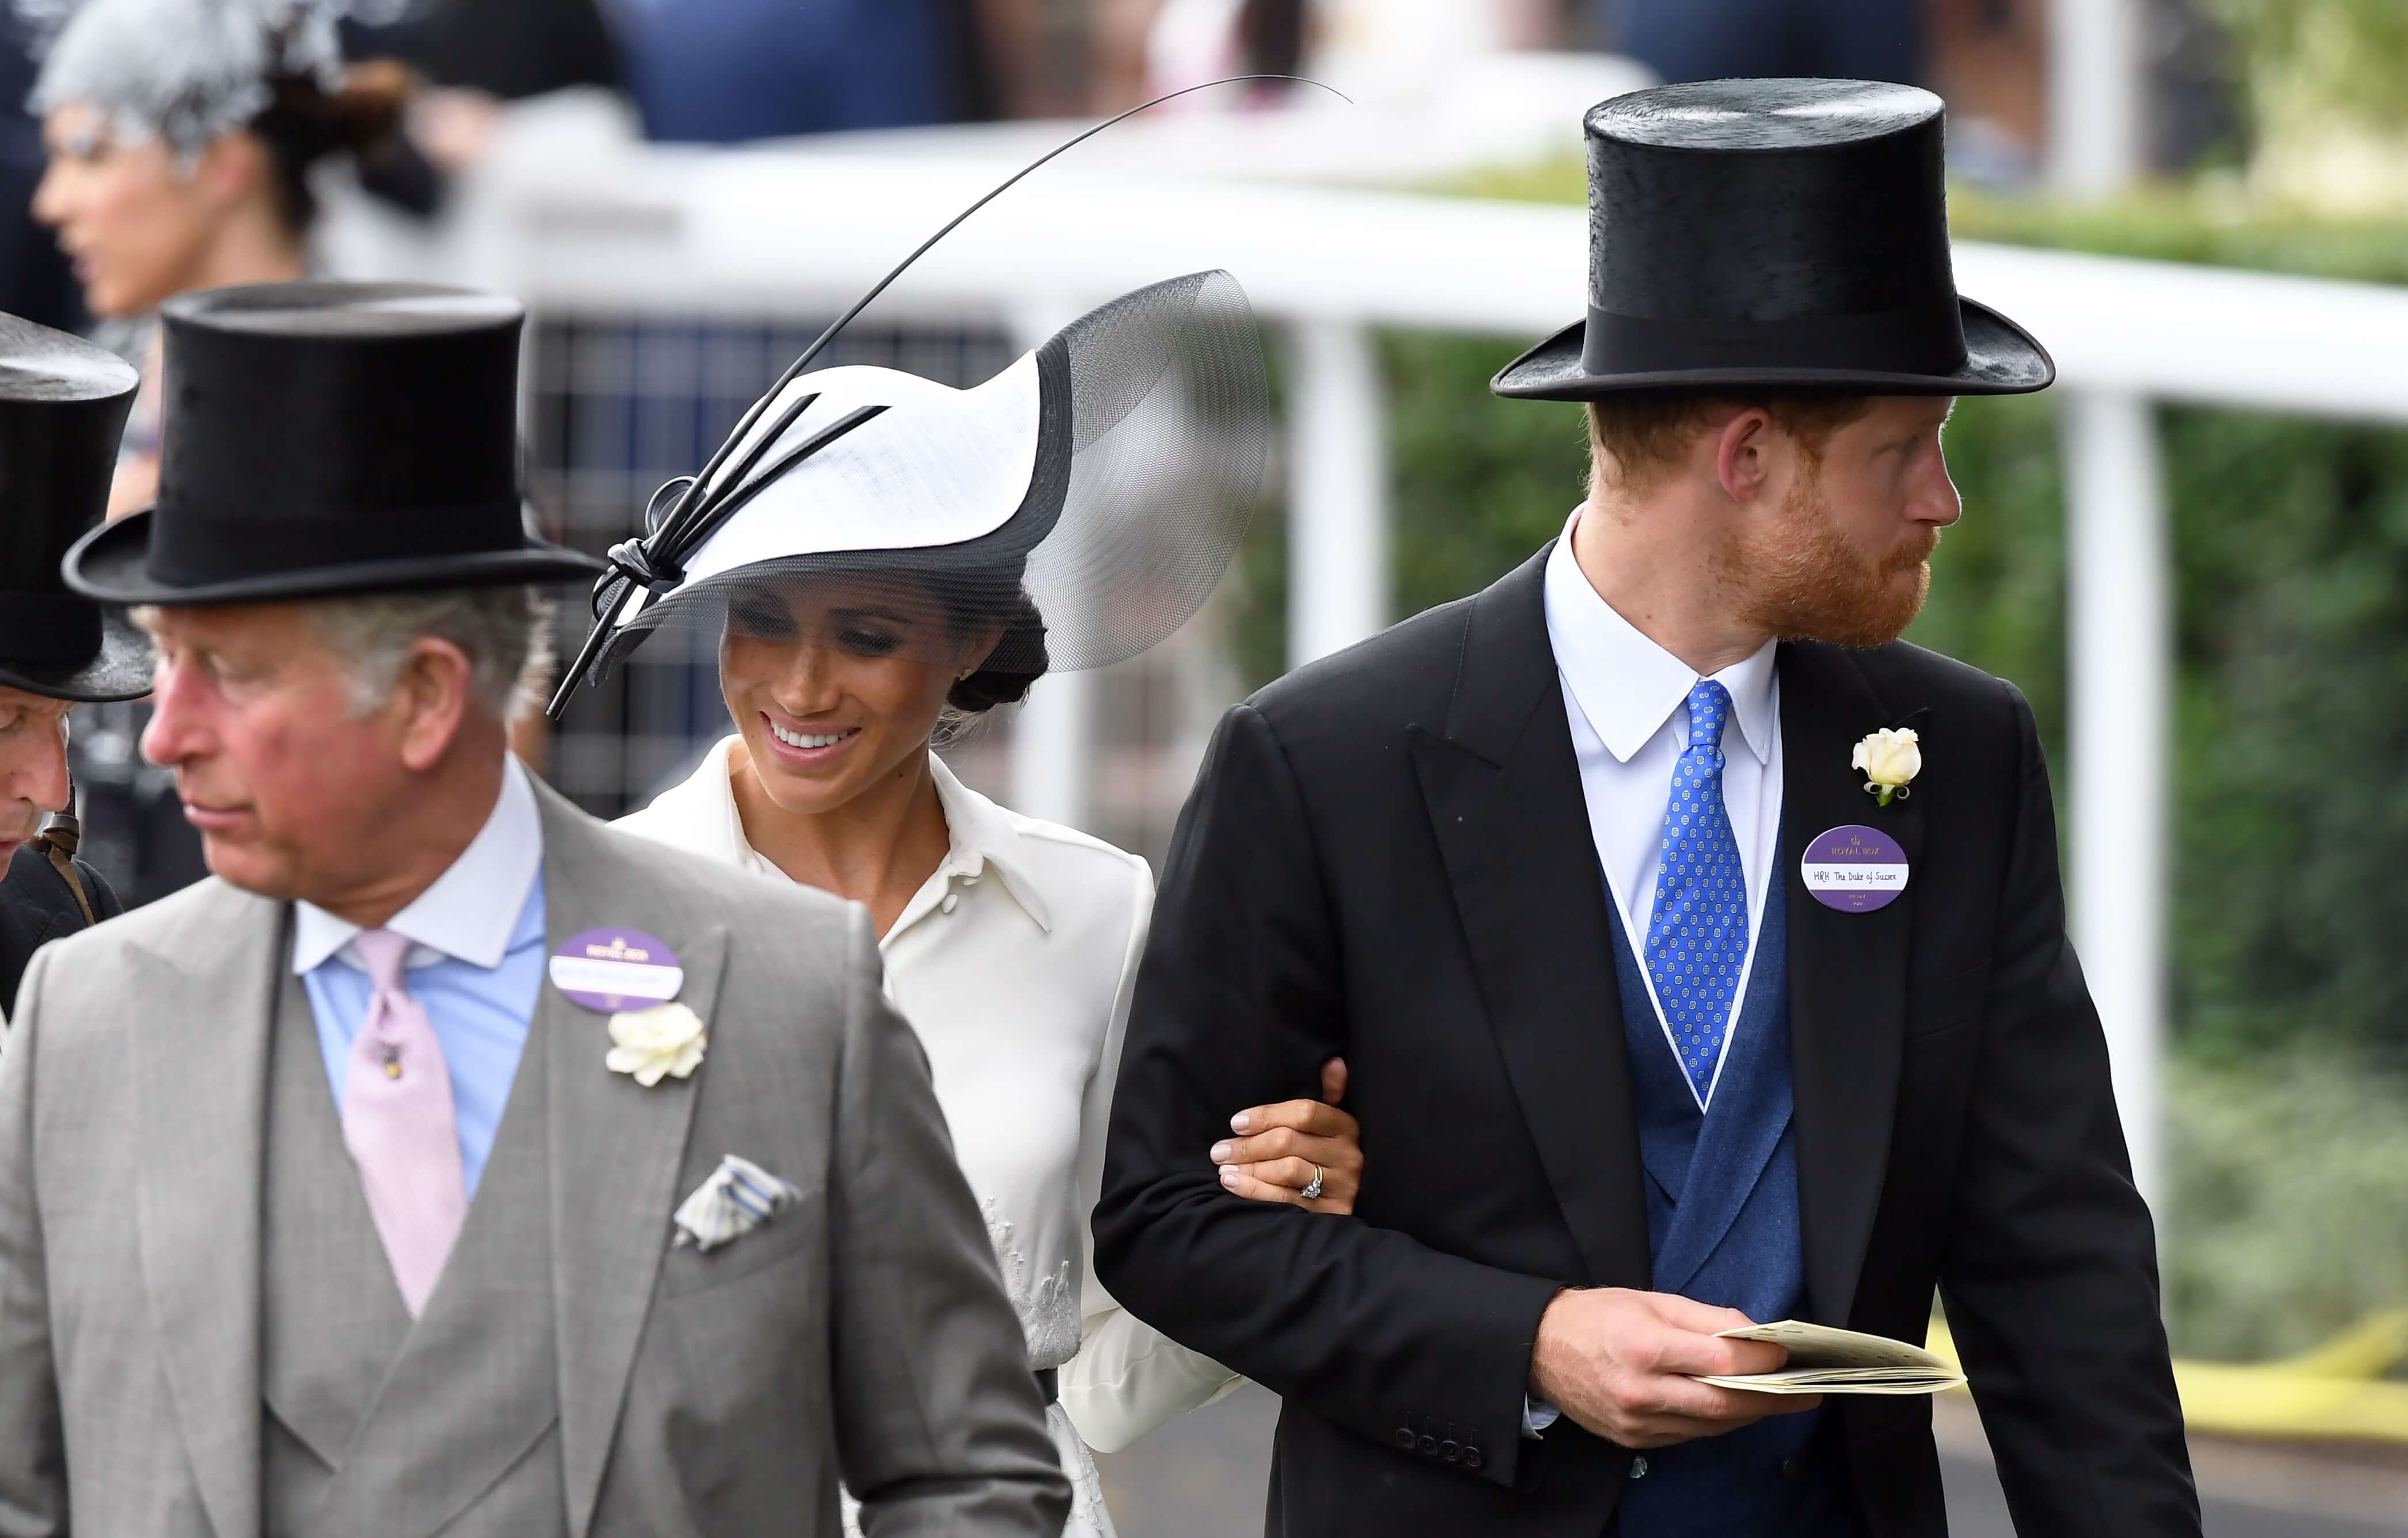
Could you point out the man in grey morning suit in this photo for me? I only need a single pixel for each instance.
(326, 1205)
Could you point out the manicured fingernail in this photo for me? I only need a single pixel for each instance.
(1240, 1122)
(1228, 1176)
(1220, 1153)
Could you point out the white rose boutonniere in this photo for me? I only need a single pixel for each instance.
(664, 1041)
(1889, 760)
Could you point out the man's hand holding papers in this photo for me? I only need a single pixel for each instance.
(1824, 1361)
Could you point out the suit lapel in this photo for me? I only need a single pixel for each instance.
(616, 1148)
(1504, 798)
(200, 1078)
(1847, 971)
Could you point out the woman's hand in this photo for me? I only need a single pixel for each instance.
(1283, 1149)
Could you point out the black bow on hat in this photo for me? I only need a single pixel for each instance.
(1774, 233)
(330, 438)
(62, 408)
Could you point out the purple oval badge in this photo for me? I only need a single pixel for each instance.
(1854, 869)
(614, 969)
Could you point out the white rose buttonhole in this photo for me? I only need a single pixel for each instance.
(1889, 759)
(664, 1041)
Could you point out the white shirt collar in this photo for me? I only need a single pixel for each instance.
(1627, 685)
(700, 814)
(703, 806)
(470, 911)
(984, 834)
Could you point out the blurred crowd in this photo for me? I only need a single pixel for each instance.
(101, 219)
(429, 78)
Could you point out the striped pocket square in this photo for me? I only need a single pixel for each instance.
(739, 1197)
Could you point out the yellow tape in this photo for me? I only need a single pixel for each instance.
(2335, 1392)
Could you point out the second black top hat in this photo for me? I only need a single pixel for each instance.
(62, 407)
(1782, 234)
(330, 438)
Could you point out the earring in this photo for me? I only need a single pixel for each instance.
(963, 677)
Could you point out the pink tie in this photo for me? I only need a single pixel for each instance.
(397, 1121)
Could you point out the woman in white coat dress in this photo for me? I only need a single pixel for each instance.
(911, 567)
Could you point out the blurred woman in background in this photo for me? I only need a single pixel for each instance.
(182, 137)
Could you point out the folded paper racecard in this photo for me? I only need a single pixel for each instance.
(1824, 1361)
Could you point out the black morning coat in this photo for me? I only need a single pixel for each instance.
(1387, 856)
(37, 907)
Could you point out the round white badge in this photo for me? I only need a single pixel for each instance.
(609, 970)
(1854, 868)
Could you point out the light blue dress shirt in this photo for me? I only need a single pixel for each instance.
(476, 966)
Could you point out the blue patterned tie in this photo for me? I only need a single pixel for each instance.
(1697, 939)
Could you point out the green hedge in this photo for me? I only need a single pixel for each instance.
(2290, 1205)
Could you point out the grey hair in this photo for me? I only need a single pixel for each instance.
(506, 633)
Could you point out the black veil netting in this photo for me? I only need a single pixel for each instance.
(1069, 513)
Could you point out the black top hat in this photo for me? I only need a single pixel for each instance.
(329, 438)
(62, 405)
(1781, 233)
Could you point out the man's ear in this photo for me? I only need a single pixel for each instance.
(1742, 454)
(230, 166)
(432, 699)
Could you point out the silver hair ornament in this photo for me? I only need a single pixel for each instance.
(185, 71)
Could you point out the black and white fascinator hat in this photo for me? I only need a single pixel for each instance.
(1072, 511)
(182, 70)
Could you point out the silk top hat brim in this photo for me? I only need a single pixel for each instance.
(113, 563)
(2001, 358)
(1774, 233)
(120, 671)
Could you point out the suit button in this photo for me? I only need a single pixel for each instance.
(1450, 1451)
(1791, 1468)
(1405, 1437)
(1471, 1459)
(1638, 1468)
(1427, 1446)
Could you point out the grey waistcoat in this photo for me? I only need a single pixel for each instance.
(372, 1423)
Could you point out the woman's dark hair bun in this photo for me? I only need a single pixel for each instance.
(303, 123)
(1022, 646)
(357, 116)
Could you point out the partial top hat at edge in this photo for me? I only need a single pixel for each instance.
(322, 440)
(1774, 233)
(62, 408)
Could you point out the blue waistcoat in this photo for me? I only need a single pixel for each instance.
(1722, 1227)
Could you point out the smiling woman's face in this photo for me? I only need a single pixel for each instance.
(842, 691)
